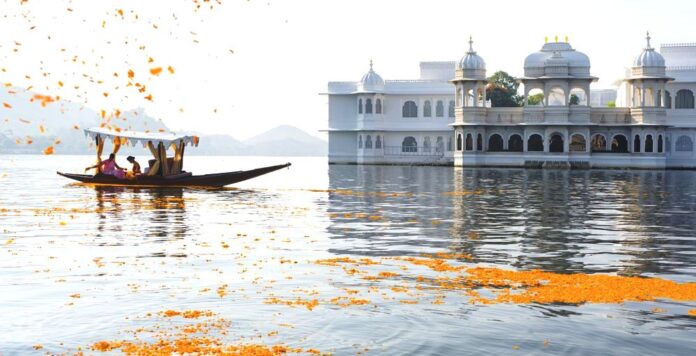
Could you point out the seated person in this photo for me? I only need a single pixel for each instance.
(109, 167)
(135, 170)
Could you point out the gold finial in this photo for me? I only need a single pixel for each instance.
(555, 38)
(546, 39)
(370, 63)
(647, 38)
(566, 39)
(471, 44)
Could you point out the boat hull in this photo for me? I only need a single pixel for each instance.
(214, 180)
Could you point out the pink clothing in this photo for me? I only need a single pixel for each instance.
(109, 167)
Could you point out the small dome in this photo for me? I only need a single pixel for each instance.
(371, 81)
(471, 60)
(649, 58)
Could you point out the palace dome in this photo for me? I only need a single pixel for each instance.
(471, 60)
(649, 58)
(371, 81)
(554, 54)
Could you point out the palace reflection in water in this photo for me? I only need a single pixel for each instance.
(630, 222)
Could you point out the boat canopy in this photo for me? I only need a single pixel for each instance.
(137, 137)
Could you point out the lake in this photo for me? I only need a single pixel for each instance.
(349, 259)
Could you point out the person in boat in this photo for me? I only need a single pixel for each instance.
(110, 167)
(135, 170)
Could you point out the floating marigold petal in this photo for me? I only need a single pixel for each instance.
(7, 105)
(170, 69)
(156, 71)
(131, 74)
(48, 150)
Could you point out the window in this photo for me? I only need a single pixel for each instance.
(368, 106)
(378, 106)
(439, 145)
(660, 147)
(636, 144)
(684, 99)
(439, 109)
(515, 143)
(360, 142)
(449, 144)
(577, 143)
(359, 106)
(450, 109)
(668, 144)
(495, 143)
(479, 142)
(535, 143)
(459, 142)
(684, 144)
(648, 143)
(668, 100)
(427, 109)
(368, 141)
(410, 109)
(378, 141)
(557, 97)
(469, 142)
(556, 144)
(426, 144)
(409, 144)
(598, 143)
(619, 144)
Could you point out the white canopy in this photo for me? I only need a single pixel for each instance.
(135, 137)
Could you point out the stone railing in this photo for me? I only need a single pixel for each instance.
(612, 116)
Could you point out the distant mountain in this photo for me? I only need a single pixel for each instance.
(27, 127)
(286, 140)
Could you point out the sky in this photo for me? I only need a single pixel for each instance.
(242, 67)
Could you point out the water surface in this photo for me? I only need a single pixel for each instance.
(128, 252)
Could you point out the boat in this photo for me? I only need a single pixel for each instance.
(162, 171)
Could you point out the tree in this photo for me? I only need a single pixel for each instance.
(502, 90)
(535, 99)
(574, 99)
(611, 104)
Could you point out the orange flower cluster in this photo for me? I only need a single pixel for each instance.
(308, 303)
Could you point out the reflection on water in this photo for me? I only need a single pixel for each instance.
(232, 250)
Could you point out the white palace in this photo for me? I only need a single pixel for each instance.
(439, 120)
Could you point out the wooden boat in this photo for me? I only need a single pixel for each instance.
(163, 171)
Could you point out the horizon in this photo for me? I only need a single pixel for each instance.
(221, 83)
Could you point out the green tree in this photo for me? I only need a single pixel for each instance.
(502, 90)
(574, 99)
(611, 104)
(536, 99)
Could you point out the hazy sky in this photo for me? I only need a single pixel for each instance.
(243, 67)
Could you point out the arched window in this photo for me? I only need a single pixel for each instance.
(648, 143)
(557, 97)
(495, 143)
(410, 109)
(469, 146)
(619, 144)
(450, 110)
(515, 143)
(449, 144)
(577, 143)
(578, 97)
(360, 145)
(535, 143)
(426, 144)
(409, 144)
(439, 145)
(427, 109)
(556, 144)
(479, 142)
(378, 106)
(360, 106)
(459, 142)
(439, 109)
(598, 143)
(636, 144)
(684, 144)
(684, 99)
(368, 141)
(368, 106)
(378, 141)
(660, 145)
(668, 100)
